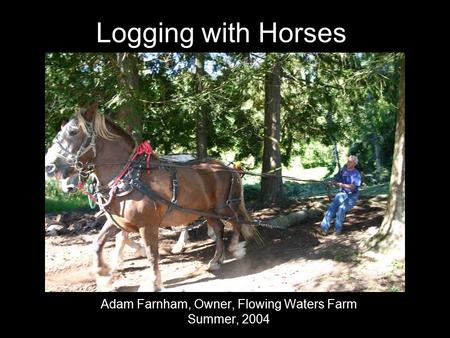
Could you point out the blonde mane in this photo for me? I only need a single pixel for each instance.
(102, 130)
(99, 125)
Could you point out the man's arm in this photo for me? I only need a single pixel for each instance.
(356, 183)
(345, 186)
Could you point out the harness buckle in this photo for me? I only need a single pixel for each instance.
(79, 165)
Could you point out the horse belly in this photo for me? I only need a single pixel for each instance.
(175, 217)
(124, 224)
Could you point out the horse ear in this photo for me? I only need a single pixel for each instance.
(90, 111)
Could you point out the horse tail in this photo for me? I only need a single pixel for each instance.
(248, 230)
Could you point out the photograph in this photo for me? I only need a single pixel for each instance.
(224, 171)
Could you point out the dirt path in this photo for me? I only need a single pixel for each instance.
(295, 259)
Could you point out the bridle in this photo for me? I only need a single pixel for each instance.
(84, 169)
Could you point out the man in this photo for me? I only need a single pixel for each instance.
(349, 181)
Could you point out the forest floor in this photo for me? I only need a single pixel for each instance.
(298, 258)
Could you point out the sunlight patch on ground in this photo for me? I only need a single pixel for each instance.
(281, 278)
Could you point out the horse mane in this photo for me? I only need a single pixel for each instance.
(99, 124)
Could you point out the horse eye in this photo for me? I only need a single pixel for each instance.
(73, 131)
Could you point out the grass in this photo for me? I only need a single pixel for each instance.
(57, 201)
(378, 189)
(67, 204)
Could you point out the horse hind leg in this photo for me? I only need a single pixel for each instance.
(184, 237)
(219, 255)
(211, 233)
(179, 247)
(237, 249)
(139, 250)
(152, 280)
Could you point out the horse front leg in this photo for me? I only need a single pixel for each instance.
(101, 269)
(121, 240)
(219, 255)
(108, 230)
(149, 236)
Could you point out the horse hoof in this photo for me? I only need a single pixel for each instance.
(116, 267)
(146, 287)
(177, 249)
(213, 266)
(239, 250)
(104, 284)
(103, 271)
(139, 253)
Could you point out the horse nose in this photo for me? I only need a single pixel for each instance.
(50, 168)
(71, 188)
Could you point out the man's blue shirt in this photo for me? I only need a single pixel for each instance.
(349, 177)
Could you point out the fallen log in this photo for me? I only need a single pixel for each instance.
(296, 218)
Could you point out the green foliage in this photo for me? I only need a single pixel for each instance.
(315, 155)
(252, 192)
(327, 98)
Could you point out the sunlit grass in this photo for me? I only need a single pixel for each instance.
(55, 205)
(378, 189)
(57, 201)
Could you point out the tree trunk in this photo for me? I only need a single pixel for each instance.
(129, 81)
(391, 235)
(336, 156)
(202, 134)
(330, 125)
(271, 186)
(377, 151)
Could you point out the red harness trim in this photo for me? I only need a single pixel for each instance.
(144, 148)
(84, 191)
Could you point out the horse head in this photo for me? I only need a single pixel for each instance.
(74, 147)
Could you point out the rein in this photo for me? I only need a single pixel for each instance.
(239, 171)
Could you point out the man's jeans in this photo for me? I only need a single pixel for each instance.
(340, 205)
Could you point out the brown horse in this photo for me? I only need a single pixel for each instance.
(89, 140)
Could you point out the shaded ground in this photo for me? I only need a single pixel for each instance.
(295, 259)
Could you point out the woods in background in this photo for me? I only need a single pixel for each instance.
(266, 109)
